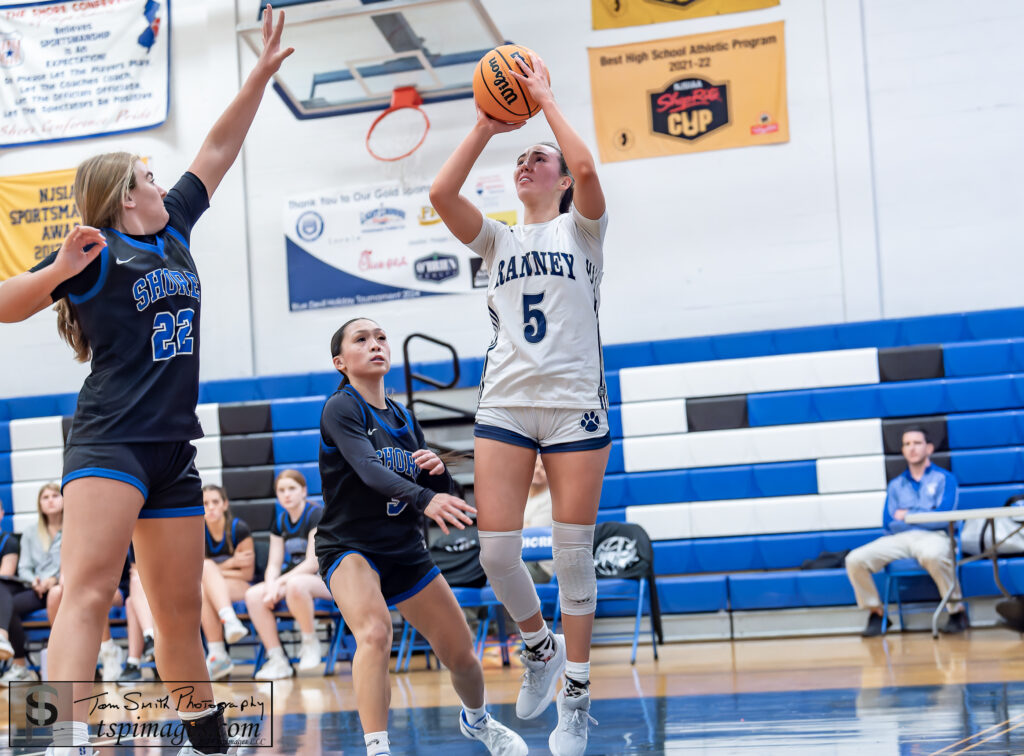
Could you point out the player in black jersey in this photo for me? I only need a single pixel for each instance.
(129, 296)
(378, 480)
(227, 571)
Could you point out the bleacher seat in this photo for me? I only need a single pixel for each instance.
(741, 454)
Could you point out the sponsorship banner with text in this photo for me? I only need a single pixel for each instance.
(37, 210)
(383, 241)
(690, 94)
(70, 70)
(611, 14)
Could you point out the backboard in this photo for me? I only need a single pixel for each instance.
(351, 54)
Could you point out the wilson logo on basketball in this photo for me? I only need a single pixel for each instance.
(500, 83)
(689, 108)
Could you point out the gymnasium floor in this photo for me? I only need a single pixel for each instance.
(906, 694)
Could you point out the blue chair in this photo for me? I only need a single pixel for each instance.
(624, 561)
(337, 647)
(905, 569)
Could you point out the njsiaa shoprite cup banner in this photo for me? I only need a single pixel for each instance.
(70, 70)
(610, 14)
(689, 94)
(382, 242)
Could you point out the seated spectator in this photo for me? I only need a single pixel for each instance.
(538, 515)
(38, 573)
(923, 487)
(293, 575)
(139, 621)
(227, 571)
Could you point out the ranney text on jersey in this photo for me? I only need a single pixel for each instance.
(543, 297)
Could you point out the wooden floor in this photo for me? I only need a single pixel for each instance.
(905, 694)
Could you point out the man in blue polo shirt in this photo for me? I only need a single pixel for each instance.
(922, 488)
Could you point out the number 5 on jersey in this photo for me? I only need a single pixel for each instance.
(534, 323)
(172, 334)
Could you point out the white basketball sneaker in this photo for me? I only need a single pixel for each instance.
(569, 738)
(499, 739)
(540, 678)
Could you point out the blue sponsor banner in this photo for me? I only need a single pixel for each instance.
(72, 70)
(383, 242)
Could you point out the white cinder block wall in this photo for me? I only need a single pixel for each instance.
(896, 195)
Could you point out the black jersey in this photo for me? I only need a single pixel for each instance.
(138, 304)
(218, 550)
(374, 494)
(295, 534)
(9, 544)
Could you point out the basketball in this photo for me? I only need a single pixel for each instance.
(498, 93)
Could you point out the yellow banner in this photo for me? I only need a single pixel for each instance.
(37, 210)
(690, 94)
(611, 14)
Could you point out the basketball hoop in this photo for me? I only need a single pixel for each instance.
(402, 134)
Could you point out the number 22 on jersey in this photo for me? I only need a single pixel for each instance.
(172, 334)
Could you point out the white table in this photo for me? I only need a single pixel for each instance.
(991, 514)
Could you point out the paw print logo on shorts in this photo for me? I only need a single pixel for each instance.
(590, 422)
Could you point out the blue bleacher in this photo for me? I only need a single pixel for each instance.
(709, 484)
(901, 399)
(981, 398)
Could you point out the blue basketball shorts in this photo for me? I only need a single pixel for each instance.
(165, 473)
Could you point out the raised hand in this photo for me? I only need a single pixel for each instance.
(445, 510)
(272, 55)
(493, 126)
(535, 78)
(80, 248)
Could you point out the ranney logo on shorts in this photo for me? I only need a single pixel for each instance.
(689, 108)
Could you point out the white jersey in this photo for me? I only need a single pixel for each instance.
(543, 295)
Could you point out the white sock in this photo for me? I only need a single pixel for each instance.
(133, 660)
(70, 733)
(578, 672)
(535, 637)
(227, 614)
(377, 743)
(276, 653)
(309, 638)
(188, 716)
(217, 648)
(107, 644)
(148, 633)
(473, 716)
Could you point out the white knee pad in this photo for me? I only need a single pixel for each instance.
(501, 556)
(573, 548)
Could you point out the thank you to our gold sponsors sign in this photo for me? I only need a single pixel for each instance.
(690, 94)
(37, 210)
(610, 14)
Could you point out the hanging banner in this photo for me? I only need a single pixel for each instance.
(611, 14)
(37, 211)
(382, 242)
(690, 94)
(70, 70)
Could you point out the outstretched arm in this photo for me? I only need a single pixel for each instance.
(27, 293)
(460, 215)
(587, 194)
(225, 138)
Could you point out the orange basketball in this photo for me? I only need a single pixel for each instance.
(499, 94)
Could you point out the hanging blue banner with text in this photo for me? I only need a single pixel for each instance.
(71, 70)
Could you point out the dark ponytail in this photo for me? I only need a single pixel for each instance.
(566, 201)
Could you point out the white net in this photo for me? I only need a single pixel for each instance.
(395, 142)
